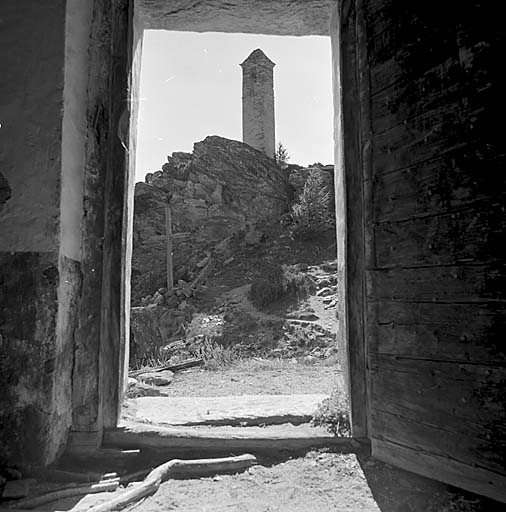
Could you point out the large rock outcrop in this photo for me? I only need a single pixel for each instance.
(223, 188)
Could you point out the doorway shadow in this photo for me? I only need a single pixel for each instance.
(396, 490)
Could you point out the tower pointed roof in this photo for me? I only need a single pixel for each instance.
(258, 57)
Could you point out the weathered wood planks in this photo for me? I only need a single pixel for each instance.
(432, 164)
(349, 196)
(479, 283)
(454, 332)
(445, 184)
(477, 479)
(467, 447)
(474, 235)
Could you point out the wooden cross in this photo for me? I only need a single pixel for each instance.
(171, 237)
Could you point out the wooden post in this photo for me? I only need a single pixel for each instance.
(170, 261)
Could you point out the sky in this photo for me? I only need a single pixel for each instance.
(191, 87)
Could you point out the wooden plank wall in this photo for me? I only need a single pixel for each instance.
(435, 264)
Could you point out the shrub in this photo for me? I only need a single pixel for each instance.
(334, 414)
(312, 213)
(278, 281)
(297, 283)
(216, 356)
(268, 288)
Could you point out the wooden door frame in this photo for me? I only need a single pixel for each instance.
(119, 213)
(351, 167)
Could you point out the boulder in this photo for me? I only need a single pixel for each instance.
(324, 292)
(138, 389)
(185, 288)
(145, 337)
(152, 327)
(162, 378)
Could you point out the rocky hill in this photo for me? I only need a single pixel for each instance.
(223, 188)
(234, 202)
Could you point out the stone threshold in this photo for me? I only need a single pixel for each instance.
(244, 410)
(223, 439)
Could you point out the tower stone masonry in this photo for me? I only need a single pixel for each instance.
(258, 102)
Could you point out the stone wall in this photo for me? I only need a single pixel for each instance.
(55, 206)
(34, 402)
(30, 113)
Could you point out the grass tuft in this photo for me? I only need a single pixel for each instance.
(156, 358)
(216, 356)
(334, 414)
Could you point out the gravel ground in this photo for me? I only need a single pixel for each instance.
(256, 377)
(320, 481)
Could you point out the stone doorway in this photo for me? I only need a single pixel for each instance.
(236, 296)
(112, 107)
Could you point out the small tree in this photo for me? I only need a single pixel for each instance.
(281, 155)
(312, 212)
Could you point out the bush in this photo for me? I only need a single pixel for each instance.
(334, 414)
(278, 281)
(297, 283)
(312, 213)
(268, 288)
(216, 356)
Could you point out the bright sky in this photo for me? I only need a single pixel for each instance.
(191, 87)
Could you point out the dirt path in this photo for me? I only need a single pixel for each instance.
(317, 482)
(315, 310)
(321, 481)
(238, 297)
(255, 377)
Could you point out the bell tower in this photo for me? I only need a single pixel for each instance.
(258, 102)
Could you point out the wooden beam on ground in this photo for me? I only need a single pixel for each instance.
(161, 473)
(79, 490)
(188, 363)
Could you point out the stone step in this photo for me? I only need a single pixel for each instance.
(183, 441)
(226, 410)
